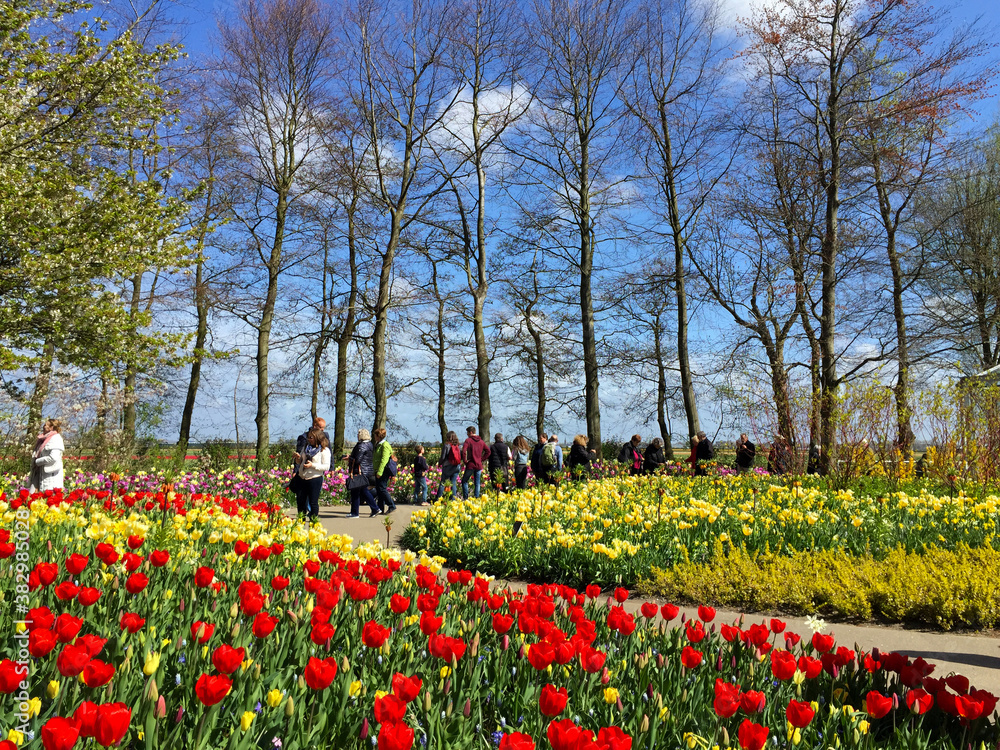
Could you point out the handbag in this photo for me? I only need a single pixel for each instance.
(357, 481)
(391, 468)
(295, 483)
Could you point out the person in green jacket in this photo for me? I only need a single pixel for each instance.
(383, 452)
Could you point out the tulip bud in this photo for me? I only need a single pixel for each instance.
(605, 676)
(520, 652)
(161, 708)
(725, 737)
(152, 693)
(618, 703)
(448, 710)
(180, 605)
(644, 727)
(427, 701)
(895, 700)
(468, 708)
(732, 662)
(236, 630)
(684, 696)
(684, 617)
(660, 660)
(447, 686)
(215, 605)
(180, 715)
(292, 616)
(345, 665)
(506, 642)
(718, 663)
(302, 683)
(649, 691)
(364, 728)
(474, 648)
(256, 671)
(289, 706)
(234, 610)
(114, 584)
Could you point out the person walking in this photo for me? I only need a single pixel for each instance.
(779, 458)
(46, 471)
(536, 457)
(499, 463)
(474, 452)
(630, 455)
(578, 461)
(746, 452)
(311, 472)
(383, 452)
(693, 458)
(522, 451)
(420, 478)
(361, 469)
(654, 458)
(451, 465)
(552, 460)
(815, 462)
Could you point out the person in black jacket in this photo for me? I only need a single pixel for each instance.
(580, 456)
(499, 463)
(630, 455)
(654, 458)
(420, 478)
(361, 464)
(779, 460)
(746, 452)
(704, 454)
(536, 456)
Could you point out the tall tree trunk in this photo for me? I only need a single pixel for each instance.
(325, 322)
(482, 284)
(775, 349)
(661, 389)
(382, 303)
(590, 370)
(539, 359)
(198, 355)
(440, 347)
(264, 336)
(40, 392)
(129, 395)
(346, 335)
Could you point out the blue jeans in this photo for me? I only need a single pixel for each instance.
(356, 497)
(307, 498)
(382, 494)
(454, 486)
(469, 474)
(420, 490)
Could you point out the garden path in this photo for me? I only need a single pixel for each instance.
(976, 655)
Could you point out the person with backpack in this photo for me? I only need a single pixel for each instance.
(474, 452)
(315, 464)
(451, 465)
(385, 470)
(551, 460)
(522, 453)
(536, 456)
(499, 463)
(580, 457)
(420, 478)
(704, 453)
(631, 456)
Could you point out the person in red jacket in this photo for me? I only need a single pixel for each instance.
(475, 452)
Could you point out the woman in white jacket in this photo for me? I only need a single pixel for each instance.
(315, 463)
(46, 459)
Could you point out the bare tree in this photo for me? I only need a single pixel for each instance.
(278, 62)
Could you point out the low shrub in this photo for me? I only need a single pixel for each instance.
(936, 587)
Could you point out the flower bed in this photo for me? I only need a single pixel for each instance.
(202, 622)
(619, 531)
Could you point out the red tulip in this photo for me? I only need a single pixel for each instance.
(241, 547)
(59, 734)
(399, 604)
(85, 717)
(613, 738)
(159, 557)
(106, 554)
(374, 635)
(502, 623)
(203, 577)
(969, 707)
(752, 736)
(12, 675)
(321, 632)
(263, 625)
(919, 701)
(706, 613)
(40, 617)
(92, 643)
(396, 736)
(205, 629)
(957, 682)
(72, 660)
(649, 610)
(88, 596)
(97, 673)
(669, 611)
(593, 591)
(132, 622)
(777, 626)
(822, 643)
(695, 632)
(799, 714)
(541, 655)
(132, 561)
(75, 564)
(211, 689)
(621, 595)
(516, 741)
(41, 643)
(592, 660)
(8, 744)
(727, 699)
(389, 709)
(753, 702)
(430, 624)
(565, 735)
(67, 627)
(227, 659)
(552, 702)
(690, 658)
(136, 583)
(319, 673)
(66, 591)
(445, 647)
(134, 542)
(407, 688)
(810, 667)
(877, 705)
(47, 572)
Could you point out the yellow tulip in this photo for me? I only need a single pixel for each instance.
(246, 720)
(274, 698)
